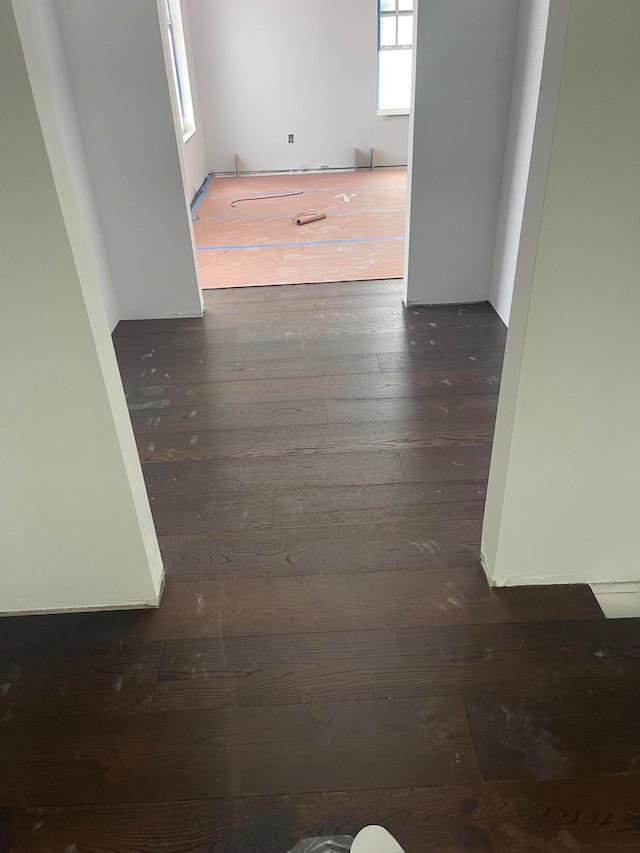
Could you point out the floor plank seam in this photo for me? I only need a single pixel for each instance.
(157, 677)
(233, 637)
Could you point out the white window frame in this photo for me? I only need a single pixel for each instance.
(179, 65)
(395, 13)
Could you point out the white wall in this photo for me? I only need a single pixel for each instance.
(88, 248)
(76, 530)
(267, 69)
(117, 67)
(527, 72)
(563, 501)
(462, 94)
(194, 149)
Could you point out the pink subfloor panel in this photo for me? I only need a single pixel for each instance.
(256, 242)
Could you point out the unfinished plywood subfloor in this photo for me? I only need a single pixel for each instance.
(258, 243)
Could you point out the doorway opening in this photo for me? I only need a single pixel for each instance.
(305, 141)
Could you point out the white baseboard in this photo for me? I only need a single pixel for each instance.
(184, 316)
(498, 581)
(151, 604)
(315, 171)
(618, 600)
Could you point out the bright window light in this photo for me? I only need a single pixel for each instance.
(395, 53)
(179, 65)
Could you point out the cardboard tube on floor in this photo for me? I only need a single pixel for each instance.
(305, 218)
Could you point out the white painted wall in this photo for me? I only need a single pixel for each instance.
(51, 69)
(76, 530)
(563, 501)
(267, 69)
(117, 65)
(462, 94)
(194, 149)
(531, 223)
(527, 72)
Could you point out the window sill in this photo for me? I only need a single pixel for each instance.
(394, 112)
(186, 136)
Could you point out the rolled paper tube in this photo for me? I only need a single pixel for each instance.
(304, 218)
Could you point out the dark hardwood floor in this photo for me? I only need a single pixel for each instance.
(327, 653)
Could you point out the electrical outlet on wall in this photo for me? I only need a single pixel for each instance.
(291, 137)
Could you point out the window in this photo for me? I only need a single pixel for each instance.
(395, 55)
(180, 69)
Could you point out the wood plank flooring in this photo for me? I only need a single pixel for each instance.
(327, 653)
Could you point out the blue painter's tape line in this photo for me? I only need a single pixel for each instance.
(258, 217)
(201, 194)
(295, 245)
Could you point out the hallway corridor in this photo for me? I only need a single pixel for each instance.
(327, 653)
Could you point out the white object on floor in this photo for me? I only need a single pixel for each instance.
(618, 600)
(375, 839)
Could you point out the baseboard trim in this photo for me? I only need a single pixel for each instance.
(525, 580)
(618, 600)
(150, 604)
(315, 171)
(533, 580)
(183, 316)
